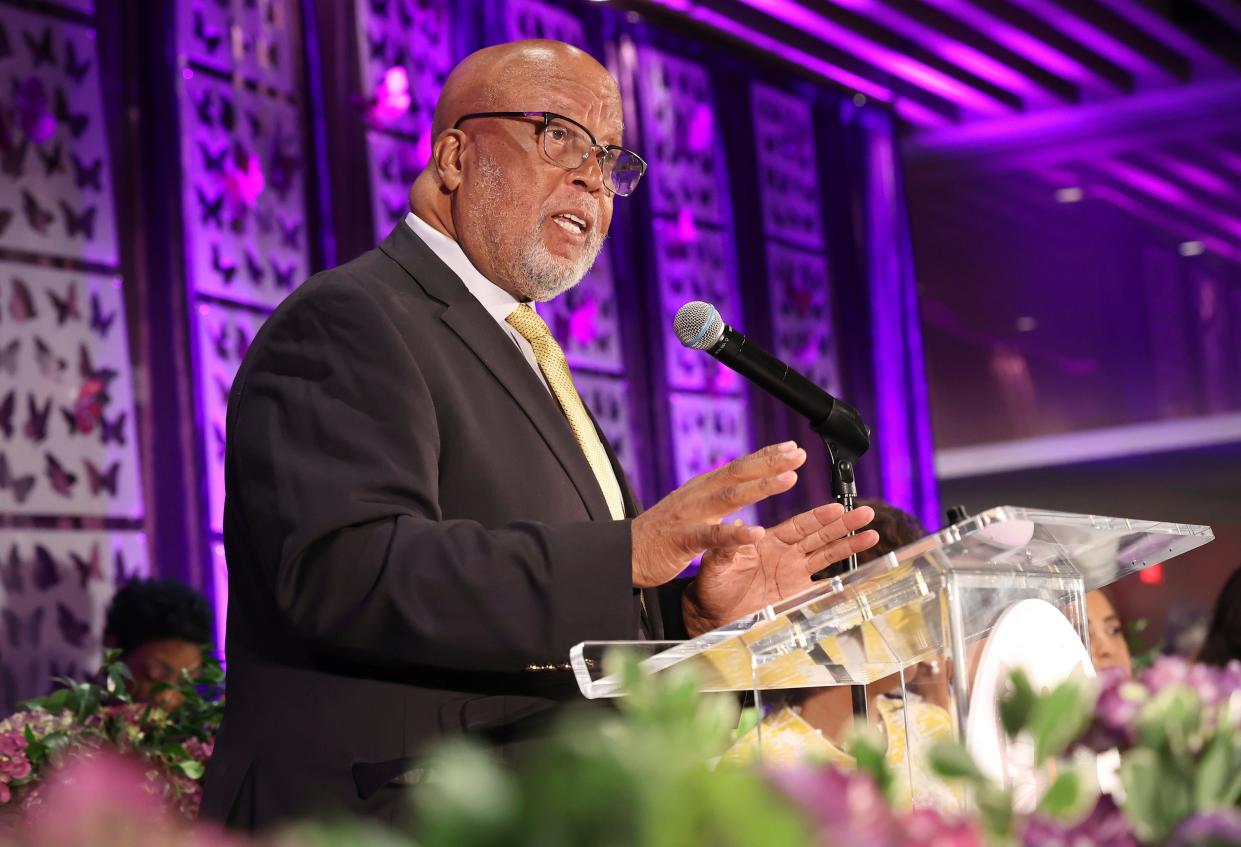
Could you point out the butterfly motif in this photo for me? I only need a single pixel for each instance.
(213, 160)
(46, 570)
(219, 340)
(11, 573)
(222, 388)
(397, 210)
(66, 307)
(70, 418)
(256, 124)
(379, 8)
(72, 628)
(6, 411)
(28, 632)
(8, 356)
(21, 303)
(41, 49)
(211, 209)
(87, 568)
(210, 37)
(202, 106)
(218, 434)
(53, 160)
(79, 222)
(254, 268)
(50, 365)
(87, 176)
(21, 486)
(37, 217)
(36, 420)
(102, 480)
(13, 159)
(76, 122)
(284, 276)
(88, 371)
(226, 269)
(76, 69)
(112, 430)
(56, 671)
(120, 574)
(242, 341)
(100, 321)
(377, 47)
(6, 218)
(290, 233)
(61, 479)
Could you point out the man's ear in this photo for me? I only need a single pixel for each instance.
(446, 155)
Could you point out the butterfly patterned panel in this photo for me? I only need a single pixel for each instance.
(242, 192)
(708, 432)
(394, 163)
(250, 37)
(607, 397)
(224, 335)
(68, 437)
(586, 321)
(681, 140)
(55, 587)
(695, 265)
(55, 181)
(532, 19)
(798, 287)
(415, 35)
(787, 177)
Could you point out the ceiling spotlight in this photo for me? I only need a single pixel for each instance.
(1026, 323)
(1073, 194)
(1191, 248)
(859, 99)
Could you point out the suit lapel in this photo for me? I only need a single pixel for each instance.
(466, 317)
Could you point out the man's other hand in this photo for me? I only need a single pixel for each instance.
(740, 579)
(670, 534)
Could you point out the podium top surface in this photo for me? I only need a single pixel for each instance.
(893, 612)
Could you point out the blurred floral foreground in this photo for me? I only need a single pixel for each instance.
(86, 766)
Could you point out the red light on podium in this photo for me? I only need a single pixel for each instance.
(1152, 575)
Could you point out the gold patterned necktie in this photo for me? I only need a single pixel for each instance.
(555, 367)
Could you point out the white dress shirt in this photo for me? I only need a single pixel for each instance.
(498, 302)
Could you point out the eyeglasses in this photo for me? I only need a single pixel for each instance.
(568, 144)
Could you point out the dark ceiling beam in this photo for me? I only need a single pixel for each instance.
(1044, 139)
(899, 39)
(1155, 22)
(1153, 190)
(1143, 208)
(1034, 39)
(1227, 11)
(1211, 189)
(1056, 87)
(931, 80)
(1112, 38)
(754, 32)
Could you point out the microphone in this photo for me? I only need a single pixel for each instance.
(699, 326)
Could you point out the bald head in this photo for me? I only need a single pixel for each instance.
(515, 77)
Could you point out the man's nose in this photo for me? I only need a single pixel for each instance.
(589, 174)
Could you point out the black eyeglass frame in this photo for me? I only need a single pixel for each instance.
(547, 118)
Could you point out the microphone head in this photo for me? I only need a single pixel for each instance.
(698, 325)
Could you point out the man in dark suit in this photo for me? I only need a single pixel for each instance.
(422, 518)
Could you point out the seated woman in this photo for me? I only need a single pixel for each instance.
(160, 627)
(1223, 642)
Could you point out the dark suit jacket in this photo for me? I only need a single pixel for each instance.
(410, 525)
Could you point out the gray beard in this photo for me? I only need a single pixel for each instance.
(535, 274)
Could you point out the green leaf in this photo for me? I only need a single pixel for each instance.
(995, 805)
(868, 751)
(1059, 718)
(1155, 798)
(951, 760)
(1063, 797)
(191, 768)
(1214, 772)
(1017, 704)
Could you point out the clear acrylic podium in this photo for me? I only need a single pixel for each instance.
(913, 627)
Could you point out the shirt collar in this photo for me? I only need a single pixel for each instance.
(498, 302)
